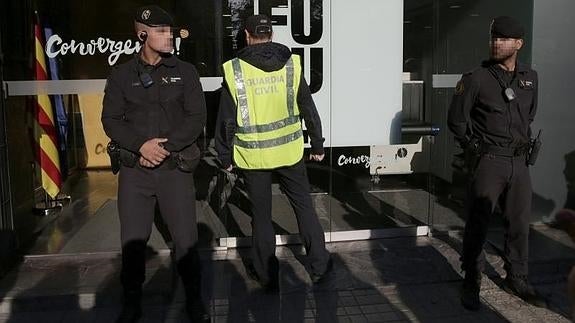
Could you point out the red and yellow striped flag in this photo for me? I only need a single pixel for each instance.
(46, 144)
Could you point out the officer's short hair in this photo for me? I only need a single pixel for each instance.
(138, 26)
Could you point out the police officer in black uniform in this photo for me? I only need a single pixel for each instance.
(490, 116)
(154, 111)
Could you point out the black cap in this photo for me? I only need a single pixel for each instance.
(258, 25)
(506, 27)
(153, 16)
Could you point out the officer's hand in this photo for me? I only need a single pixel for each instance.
(317, 158)
(229, 169)
(153, 151)
(145, 163)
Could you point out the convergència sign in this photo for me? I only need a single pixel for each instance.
(55, 46)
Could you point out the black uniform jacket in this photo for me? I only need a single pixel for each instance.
(173, 107)
(479, 108)
(268, 57)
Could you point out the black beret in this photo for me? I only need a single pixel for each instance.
(153, 16)
(258, 24)
(506, 27)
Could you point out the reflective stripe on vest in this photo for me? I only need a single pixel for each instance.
(270, 126)
(270, 142)
(242, 96)
(262, 141)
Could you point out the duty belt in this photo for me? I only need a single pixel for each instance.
(505, 151)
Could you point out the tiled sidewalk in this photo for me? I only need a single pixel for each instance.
(388, 280)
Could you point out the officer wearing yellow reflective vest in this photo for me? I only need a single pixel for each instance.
(259, 131)
(266, 138)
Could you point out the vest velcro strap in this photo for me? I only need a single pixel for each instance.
(269, 143)
(270, 126)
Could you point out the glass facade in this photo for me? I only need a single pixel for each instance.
(382, 74)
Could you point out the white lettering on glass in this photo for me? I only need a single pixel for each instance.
(349, 160)
(114, 48)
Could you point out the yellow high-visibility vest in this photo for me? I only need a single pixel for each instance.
(269, 133)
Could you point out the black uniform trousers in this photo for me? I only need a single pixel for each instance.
(507, 180)
(138, 192)
(294, 183)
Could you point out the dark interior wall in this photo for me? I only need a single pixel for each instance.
(17, 45)
(553, 47)
(7, 236)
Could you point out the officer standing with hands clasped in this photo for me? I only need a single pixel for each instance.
(154, 111)
(259, 128)
(490, 116)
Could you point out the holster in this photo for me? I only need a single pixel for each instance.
(472, 153)
(120, 156)
(113, 150)
(534, 146)
(186, 160)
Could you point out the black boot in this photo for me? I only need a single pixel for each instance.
(197, 311)
(470, 291)
(131, 308)
(269, 286)
(189, 268)
(317, 278)
(519, 286)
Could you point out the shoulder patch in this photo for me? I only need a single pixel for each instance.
(459, 88)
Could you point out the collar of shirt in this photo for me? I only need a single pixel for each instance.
(519, 67)
(168, 61)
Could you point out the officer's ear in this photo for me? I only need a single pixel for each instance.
(248, 37)
(518, 43)
(143, 36)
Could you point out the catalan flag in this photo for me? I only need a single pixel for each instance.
(60, 111)
(46, 136)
